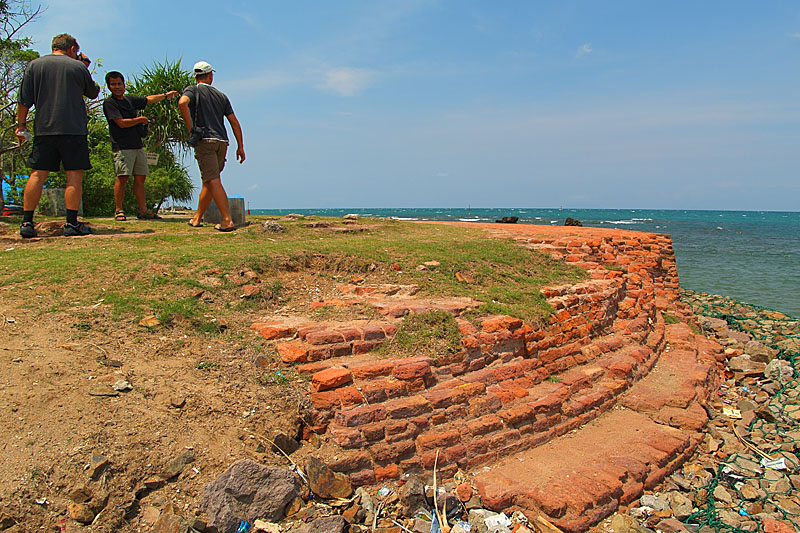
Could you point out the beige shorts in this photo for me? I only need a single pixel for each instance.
(131, 163)
(210, 155)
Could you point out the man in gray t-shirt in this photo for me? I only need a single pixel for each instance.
(56, 84)
(202, 108)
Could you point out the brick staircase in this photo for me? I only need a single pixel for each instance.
(605, 377)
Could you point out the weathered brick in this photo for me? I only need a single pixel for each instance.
(373, 432)
(390, 471)
(518, 414)
(347, 438)
(358, 416)
(410, 369)
(373, 369)
(330, 378)
(391, 453)
(292, 351)
(365, 477)
(437, 439)
(325, 400)
(407, 407)
(349, 396)
(484, 424)
(270, 332)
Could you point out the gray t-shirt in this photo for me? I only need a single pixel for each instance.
(214, 106)
(56, 84)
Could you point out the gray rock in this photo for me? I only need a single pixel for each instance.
(273, 227)
(657, 503)
(175, 466)
(170, 522)
(722, 494)
(329, 524)
(680, 504)
(97, 465)
(476, 519)
(625, 524)
(247, 491)
(779, 370)
(759, 352)
(412, 496)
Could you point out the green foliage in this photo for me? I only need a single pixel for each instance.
(169, 178)
(433, 333)
(671, 319)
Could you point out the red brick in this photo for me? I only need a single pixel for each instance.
(365, 477)
(358, 416)
(292, 351)
(407, 407)
(318, 353)
(330, 378)
(324, 336)
(276, 332)
(325, 400)
(437, 439)
(373, 332)
(396, 426)
(350, 334)
(485, 424)
(390, 453)
(349, 396)
(347, 438)
(360, 347)
(371, 370)
(373, 392)
(390, 471)
(373, 432)
(410, 369)
(518, 414)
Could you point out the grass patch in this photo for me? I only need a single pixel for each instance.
(206, 365)
(434, 333)
(153, 267)
(670, 318)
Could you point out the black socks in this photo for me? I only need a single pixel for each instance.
(72, 217)
(27, 216)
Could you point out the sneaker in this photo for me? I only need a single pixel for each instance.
(27, 230)
(76, 230)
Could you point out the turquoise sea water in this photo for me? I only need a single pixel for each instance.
(750, 255)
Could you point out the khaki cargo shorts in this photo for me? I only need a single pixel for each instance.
(210, 155)
(131, 163)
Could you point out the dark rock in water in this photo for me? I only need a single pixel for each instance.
(247, 491)
(326, 483)
(329, 524)
(572, 222)
(508, 220)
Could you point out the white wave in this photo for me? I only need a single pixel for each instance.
(470, 219)
(403, 218)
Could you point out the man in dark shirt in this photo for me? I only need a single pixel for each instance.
(204, 106)
(56, 84)
(126, 143)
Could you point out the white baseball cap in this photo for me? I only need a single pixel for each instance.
(202, 67)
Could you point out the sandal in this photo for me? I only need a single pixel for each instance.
(119, 215)
(224, 230)
(147, 215)
(200, 225)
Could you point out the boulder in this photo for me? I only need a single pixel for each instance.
(572, 222)
(247, 491)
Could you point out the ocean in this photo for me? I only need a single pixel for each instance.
(752, 256)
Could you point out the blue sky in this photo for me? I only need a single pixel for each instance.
(418, 103)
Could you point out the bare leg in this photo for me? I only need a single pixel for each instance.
(138, 191)
(33, 189)
(221, 199)
(203, 201)
(74, 190)
(119, 191)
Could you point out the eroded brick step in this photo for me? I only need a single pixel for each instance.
(578, 479)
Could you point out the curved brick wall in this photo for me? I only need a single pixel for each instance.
(513, 387)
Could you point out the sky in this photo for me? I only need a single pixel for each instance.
(426, 103)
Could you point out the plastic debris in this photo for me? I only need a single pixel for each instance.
(244, 527)
(775, 464)
(498, 520)
(384, 492)
(731, 412)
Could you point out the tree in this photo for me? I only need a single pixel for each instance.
(168, 134)
(14, 57)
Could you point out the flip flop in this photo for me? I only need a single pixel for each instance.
(224, 230)
(200, 225)
(120, 216)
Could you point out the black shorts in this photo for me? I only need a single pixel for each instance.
(49, 151)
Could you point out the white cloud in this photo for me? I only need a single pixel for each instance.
(254, 187)
(796, 35)
(584, 49)
(348, 81)
(248, 18)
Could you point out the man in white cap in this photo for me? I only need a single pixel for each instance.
(202, 108)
